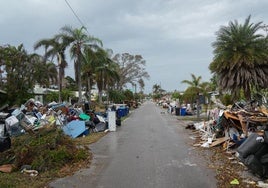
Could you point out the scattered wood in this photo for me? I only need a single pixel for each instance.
(219, 141)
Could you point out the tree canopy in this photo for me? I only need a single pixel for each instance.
(131, 69)
(240, 58)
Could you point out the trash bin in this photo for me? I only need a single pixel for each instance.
(5, 143)
(87, 108)
(183, 111)
(177, 111)
(124, 110)
(120, 112)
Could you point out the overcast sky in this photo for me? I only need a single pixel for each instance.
(173, 36)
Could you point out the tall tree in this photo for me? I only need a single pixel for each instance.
(132, 69)
(78, 39)
(157, 91)
(20, 70)
(240, 57)
(156, 88)
(106, 72)
(195, 82)
(89, 64)
(45, 73)
(70, 83)
(141, 84)
(55, 47)
(194, 88)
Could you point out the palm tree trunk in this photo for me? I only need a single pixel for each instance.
(101, 89)
(79, 79)
(60, 77)
(89, 88)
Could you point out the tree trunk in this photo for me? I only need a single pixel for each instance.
(100, 96)
(60, 77)
(89, 88)
(79, 79)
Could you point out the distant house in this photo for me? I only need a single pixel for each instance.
(40, 92)
(94, 94)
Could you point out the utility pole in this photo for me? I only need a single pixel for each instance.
(197, 106)
(60, 77)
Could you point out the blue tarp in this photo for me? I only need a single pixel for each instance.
(74, 128)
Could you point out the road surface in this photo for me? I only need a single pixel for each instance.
(150, 150)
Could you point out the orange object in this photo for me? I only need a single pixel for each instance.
(7, 168)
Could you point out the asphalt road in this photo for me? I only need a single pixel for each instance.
(150, 150)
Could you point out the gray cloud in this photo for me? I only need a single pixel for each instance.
(173, 36)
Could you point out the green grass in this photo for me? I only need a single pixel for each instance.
(50, 152)
(192, 118)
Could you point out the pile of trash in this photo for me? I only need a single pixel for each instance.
(243, 128)
(75, 120)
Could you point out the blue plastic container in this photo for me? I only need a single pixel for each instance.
(120, 112)
(183, 111)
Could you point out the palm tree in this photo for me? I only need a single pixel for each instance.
(89, 63)
(78, 39)
(106, 72)
(55, 47)
(240, 58)
(49, 74)
(70, 83)
(20, 69)
(196, 87)
(194, 83)
(156, 88)
(157, 92)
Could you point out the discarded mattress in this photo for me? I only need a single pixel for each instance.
(74, 128)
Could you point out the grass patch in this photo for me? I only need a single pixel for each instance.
(192, 118)
(50, 152)
(93, 137)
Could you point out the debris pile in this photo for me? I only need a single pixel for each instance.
(41, 136)
(242, 128)
(75, 120)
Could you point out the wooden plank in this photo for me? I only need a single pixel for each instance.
(219, 141)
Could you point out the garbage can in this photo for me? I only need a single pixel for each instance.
(120, 112)
(183, 111)
(87, 108)
(177, 111)
(124, 110)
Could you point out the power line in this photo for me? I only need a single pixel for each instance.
(75, 14)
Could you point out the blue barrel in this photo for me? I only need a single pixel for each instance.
(183, 111)
(125, 110)
(120, 112)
